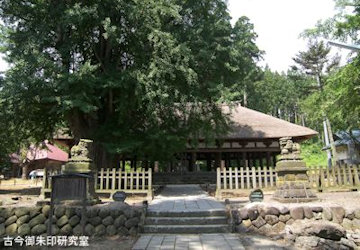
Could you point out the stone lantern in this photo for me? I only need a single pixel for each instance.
(292, 180)
(81, 163)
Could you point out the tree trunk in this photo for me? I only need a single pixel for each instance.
(331, 139)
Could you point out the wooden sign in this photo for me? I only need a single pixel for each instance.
(68, 187)
(256, 195)
(119, 196)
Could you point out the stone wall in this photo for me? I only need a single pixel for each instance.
(306, 226)
(112, 219)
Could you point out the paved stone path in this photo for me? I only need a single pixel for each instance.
(206, 242)
(184, 198)
(190, 198)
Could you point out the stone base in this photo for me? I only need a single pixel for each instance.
(294, 192)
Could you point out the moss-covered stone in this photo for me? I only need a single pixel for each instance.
(123, 231)
(21, 211)
(74, 220)
(23, 219)
(11, 229)
(2, 220)
(45, 210)
(89, 229)
(2, 229)
(95, 221)
(77, 230)
(108, 220)
(11, 220)
(120, 221)
(92, 212)
(116, 213)
(70, 212)
(7, 212)
(38, 229)
(62, 221)
(59, 211)
(133, 231)
(66, 230)
(100, 230)
(132, 222)
(111, 230)
(39, 219)
(104, 213)
(24, 229)
(35, 211)
(55, 230)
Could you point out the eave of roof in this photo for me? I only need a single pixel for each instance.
(248, 124)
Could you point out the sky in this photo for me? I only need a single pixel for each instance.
(279, 23)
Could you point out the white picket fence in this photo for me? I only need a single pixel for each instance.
(109, 181)
(231, 179)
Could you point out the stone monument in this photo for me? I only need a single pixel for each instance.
(292, 180)
(81, 163)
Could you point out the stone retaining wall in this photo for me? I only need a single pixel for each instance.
(284, 221)
(112, 219)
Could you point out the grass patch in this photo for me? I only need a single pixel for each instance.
(312, 154)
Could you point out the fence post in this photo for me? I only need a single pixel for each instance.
(236, 178)
(339, 175)
(356, 176)
(253, 177)
(271, 177)
(333, 176)
(113, 179)
(260, 176)
(107, 180)
(230, 178)
(218, 183)
(247, 177)
(143, 179)
(328, 180)
(242, 178)
(351, 180)
(345, 175)
(266, 176)
(224, 178)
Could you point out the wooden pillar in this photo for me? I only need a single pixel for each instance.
(261, 159)
(192, 162)
(268, 159)
(208, 161)
(222, 164)
(217, 159)
(245, 162)
(238, 163)
(156, 166)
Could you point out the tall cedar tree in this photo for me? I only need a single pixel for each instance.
(138, 77)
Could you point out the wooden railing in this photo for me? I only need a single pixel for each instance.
(133, 181)
(339, 177)
(113, 180)
(232, 179)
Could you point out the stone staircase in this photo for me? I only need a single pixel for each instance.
(186, 222)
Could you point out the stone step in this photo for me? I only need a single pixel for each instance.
(209, 220)
(187, 229)
(206, 213)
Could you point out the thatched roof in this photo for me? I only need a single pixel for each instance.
(250, 124)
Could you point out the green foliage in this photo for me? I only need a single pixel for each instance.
(342, 95)
(312, 153)
(343, 25)
(138, 77)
